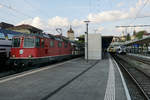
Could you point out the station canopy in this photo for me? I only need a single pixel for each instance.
(145, 40)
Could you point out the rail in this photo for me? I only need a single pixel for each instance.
(142, 85)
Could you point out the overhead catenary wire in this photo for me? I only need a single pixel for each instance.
(15, 10)
(141, 9)
(3, 19)
(35, 8)
(11, 14)
(99, 6)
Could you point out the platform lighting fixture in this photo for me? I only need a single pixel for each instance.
(86, 22)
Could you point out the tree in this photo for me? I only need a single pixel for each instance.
(134, 32)
(128, 37)
(139, 34)
(81, 39)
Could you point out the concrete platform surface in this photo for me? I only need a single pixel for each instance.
(65, 81)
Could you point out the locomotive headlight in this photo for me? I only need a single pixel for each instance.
(20, 52)
(30, 56)
(13, 56)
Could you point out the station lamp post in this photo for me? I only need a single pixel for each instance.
(86, 43)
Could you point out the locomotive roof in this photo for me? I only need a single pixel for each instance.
(43, 35)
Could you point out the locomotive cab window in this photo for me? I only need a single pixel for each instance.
(52, 43)
(16, 42)
(29, 42)
(10, 36)
(2, 36)
(59, 44)
(37, 42)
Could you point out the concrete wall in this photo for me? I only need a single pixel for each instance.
(94, 46)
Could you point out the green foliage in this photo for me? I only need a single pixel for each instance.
(134, 32)
(81, 39)
(81, 36)
(128, 37)
(139, 34)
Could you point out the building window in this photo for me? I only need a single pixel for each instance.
(52, 43)
(59, 44)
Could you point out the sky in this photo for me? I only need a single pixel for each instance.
(104, 15)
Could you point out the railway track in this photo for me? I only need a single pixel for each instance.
(140, 79)
(145, 61)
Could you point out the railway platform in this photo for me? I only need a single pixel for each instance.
(71, 80)
(139, 55)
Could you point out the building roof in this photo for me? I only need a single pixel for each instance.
(70, 30)
(25, 26)
(4, 25)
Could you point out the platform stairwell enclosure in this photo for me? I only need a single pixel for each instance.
(94, 46)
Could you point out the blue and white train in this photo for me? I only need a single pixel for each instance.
(121, 50)
(5, 43)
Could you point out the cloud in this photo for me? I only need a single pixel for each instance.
(36, 22)
(108, 16)
(121, 29)
(55, 22)
(116, 15)
(58, 21)
(100, 29)
(1, 6)
(78, 24)
(120, 4)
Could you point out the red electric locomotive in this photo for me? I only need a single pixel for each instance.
(35, 49)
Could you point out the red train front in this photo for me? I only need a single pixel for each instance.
(35, 49)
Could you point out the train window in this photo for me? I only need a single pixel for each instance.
(42, 43)
(10, 36)
(2, 36)
(65, 44)
(37, 42)
(59, 44)
(51, 43)
(29, 42)
(16, 42)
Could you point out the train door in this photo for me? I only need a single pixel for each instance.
(46, 47)
(59, 47)
(41, 50)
